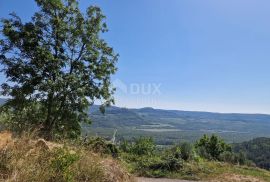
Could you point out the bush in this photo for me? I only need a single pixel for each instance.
(5, 159)
(186, 151)
(211, 148)
(144, 159)
(228, 157)
(141, 146)
(101, 146)
(171, 163)
(61, 163)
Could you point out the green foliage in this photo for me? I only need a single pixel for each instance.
(140, 146)
(169, 163)
(5, 159)
(256, 150)
(61, 164)
(173, 126)
(145, 159)
(101, 146)
(183, 160)
(211, 148)
(186, 151)
(228, 157)
(143, 146)
(56, 67)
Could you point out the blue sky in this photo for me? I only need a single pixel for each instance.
(203, 55)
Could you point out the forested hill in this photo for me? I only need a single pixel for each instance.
(168, 126)
(257, 150)
(148, 115)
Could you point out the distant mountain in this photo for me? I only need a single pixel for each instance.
(174, 124)
(170, 126)
(115, 117)
(186, 120)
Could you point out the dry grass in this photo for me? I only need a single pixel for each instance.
(236, 178)
(27, 160)
(5, 139)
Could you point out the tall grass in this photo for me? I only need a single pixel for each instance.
(27, 160)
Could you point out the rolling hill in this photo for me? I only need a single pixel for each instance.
(170, 126)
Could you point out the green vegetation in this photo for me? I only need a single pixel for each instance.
(256, 150)
(56, 66)
(167, 127)
(186, 161)
(212, 148)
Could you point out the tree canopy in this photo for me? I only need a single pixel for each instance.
(56, 66)
(212, 147)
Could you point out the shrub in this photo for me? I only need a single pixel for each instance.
(171, 163)
(211, 148)
(5, 159)
(241, 158)
(140, 146)
(101, 146)
(61, 163)
(228, 157)
(186, 151)
(144, 158)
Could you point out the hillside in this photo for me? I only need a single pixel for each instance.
(27, 158)
(168, 126)
(41, 160)
(257, 150)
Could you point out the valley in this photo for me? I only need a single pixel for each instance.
(167, 127)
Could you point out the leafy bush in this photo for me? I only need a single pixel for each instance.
(143, 146)
(5, 159)
(101, 146)
(211, 148)
(61, 163)
(144, 158)
(140, 146)
(186, 151)
(228, 157)
(183, 151)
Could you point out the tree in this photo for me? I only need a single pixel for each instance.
(143, 146)
(212, 147)
(186, 151)
(56, 66)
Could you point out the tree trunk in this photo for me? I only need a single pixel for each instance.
(46, 130)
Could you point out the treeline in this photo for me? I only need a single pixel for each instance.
(257, 150)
